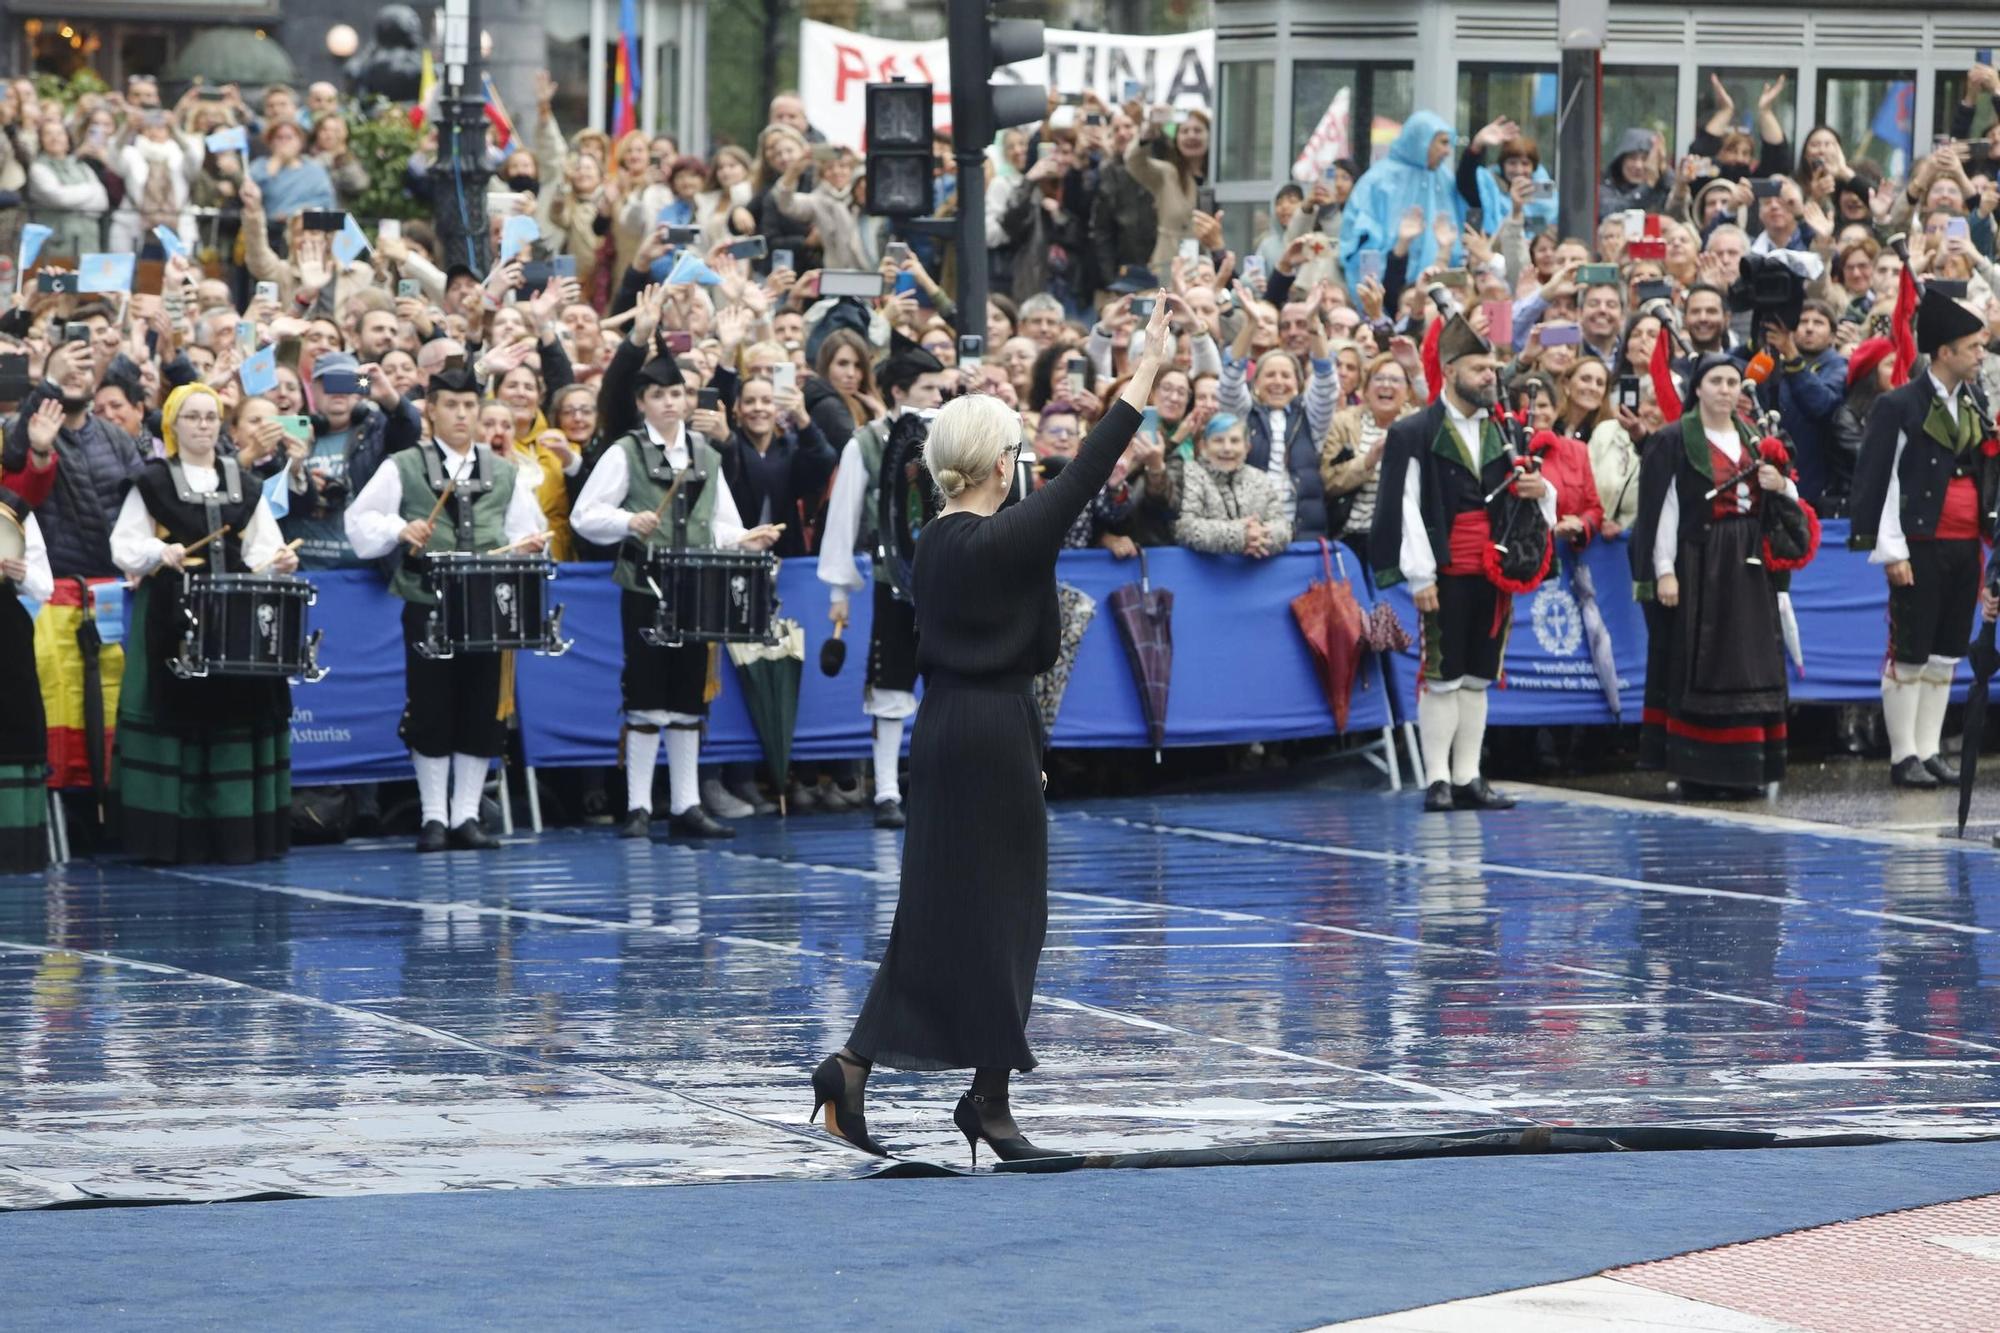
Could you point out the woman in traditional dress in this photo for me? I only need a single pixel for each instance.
(1716, 690)
(204, 765)
(959, 973)
(24, 769)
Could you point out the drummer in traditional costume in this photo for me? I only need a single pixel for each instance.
(625, 504)
(203, 766)
(1433, 530)
(912, 381)
(451, 715)
(24, 769)
(1708, 562)
(1924, 494)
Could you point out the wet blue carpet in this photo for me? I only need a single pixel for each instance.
(1243, 1248)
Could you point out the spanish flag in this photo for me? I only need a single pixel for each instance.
(426, 90)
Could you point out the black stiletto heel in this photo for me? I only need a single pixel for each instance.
(1015, 1149)
(829, 1082)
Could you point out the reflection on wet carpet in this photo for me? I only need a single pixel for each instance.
(1221, 970)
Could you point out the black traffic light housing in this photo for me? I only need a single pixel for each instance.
(980, 108)
(899, 149)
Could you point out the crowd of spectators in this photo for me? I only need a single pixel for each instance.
(1303, 349)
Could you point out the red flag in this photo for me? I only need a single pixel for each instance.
(1903, 329)
(1433, 368)
(1664, 390)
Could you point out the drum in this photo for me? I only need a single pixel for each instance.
(711, 596)
(490, 604)
(247, 625)
(13, 535)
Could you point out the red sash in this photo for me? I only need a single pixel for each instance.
(1471, 534)
(1959, 520)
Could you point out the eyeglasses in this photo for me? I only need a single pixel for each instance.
(578, 410)
(1058, 433)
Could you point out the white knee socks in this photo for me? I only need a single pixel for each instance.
(1471, 733)
(1931, 703)
(888, 749)
(468, 783)
(642, 751)
(1437, 720)
(683, 754)
(433, 781)
(1902, 695)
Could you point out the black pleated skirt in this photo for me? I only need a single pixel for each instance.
(959, 974)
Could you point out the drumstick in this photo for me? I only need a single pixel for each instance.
(191, 549)
(292, 545)
(668, 498)
(443, 495)
(518, 541)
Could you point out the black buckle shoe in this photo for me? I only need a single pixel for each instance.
(431, 838)
(469, 837)
(1437, 798)
(1477, 795)
(1014, 1148)
(695, 822)
(889, 814)
(1942, 769)
(638, 824)
(1912, 772)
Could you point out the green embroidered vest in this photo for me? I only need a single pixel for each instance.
(647, 476)
(479, 502)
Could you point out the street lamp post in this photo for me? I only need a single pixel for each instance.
(458, 177)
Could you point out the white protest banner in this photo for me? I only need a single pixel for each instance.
(835, 66)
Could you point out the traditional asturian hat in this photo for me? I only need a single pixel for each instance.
(1460, 340)
(1941, 320)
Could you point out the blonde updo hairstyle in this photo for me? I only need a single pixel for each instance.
(967, 437)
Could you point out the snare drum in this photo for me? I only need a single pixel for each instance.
(247, 625)
(490, 604)
(711, 596)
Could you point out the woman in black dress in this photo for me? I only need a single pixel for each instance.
(959, 973)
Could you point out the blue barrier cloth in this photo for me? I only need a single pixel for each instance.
(1241, 668)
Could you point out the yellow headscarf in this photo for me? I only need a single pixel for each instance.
(170, 412)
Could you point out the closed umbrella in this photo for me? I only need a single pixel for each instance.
(1331, 620)
(1583, 587)
(769, 675)
(1985, 660)
(1078, 609)
(1145, 618)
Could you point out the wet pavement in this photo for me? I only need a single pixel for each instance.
(1221, 970)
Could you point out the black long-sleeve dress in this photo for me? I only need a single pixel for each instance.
(959, 973)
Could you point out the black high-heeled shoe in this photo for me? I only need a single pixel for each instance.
(829, 1086)
(1016, 1149)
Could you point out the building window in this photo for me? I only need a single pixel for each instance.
(1247, 105)
(1947, 103)
(1744, 86)
(1639, 97)
(1873, 112)
(569, 62)
(1525, 94)
(1377, 102)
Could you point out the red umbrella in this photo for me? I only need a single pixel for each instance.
(1145, 617)
(1331, 620)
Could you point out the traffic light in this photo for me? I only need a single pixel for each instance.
(899, 149)
(980, 46)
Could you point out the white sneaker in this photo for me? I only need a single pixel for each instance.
(715, 798)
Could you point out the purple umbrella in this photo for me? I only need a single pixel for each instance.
(1145, 617)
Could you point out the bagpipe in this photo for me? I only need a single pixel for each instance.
(906, 500)
(1791, 527)
(1523, 545)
